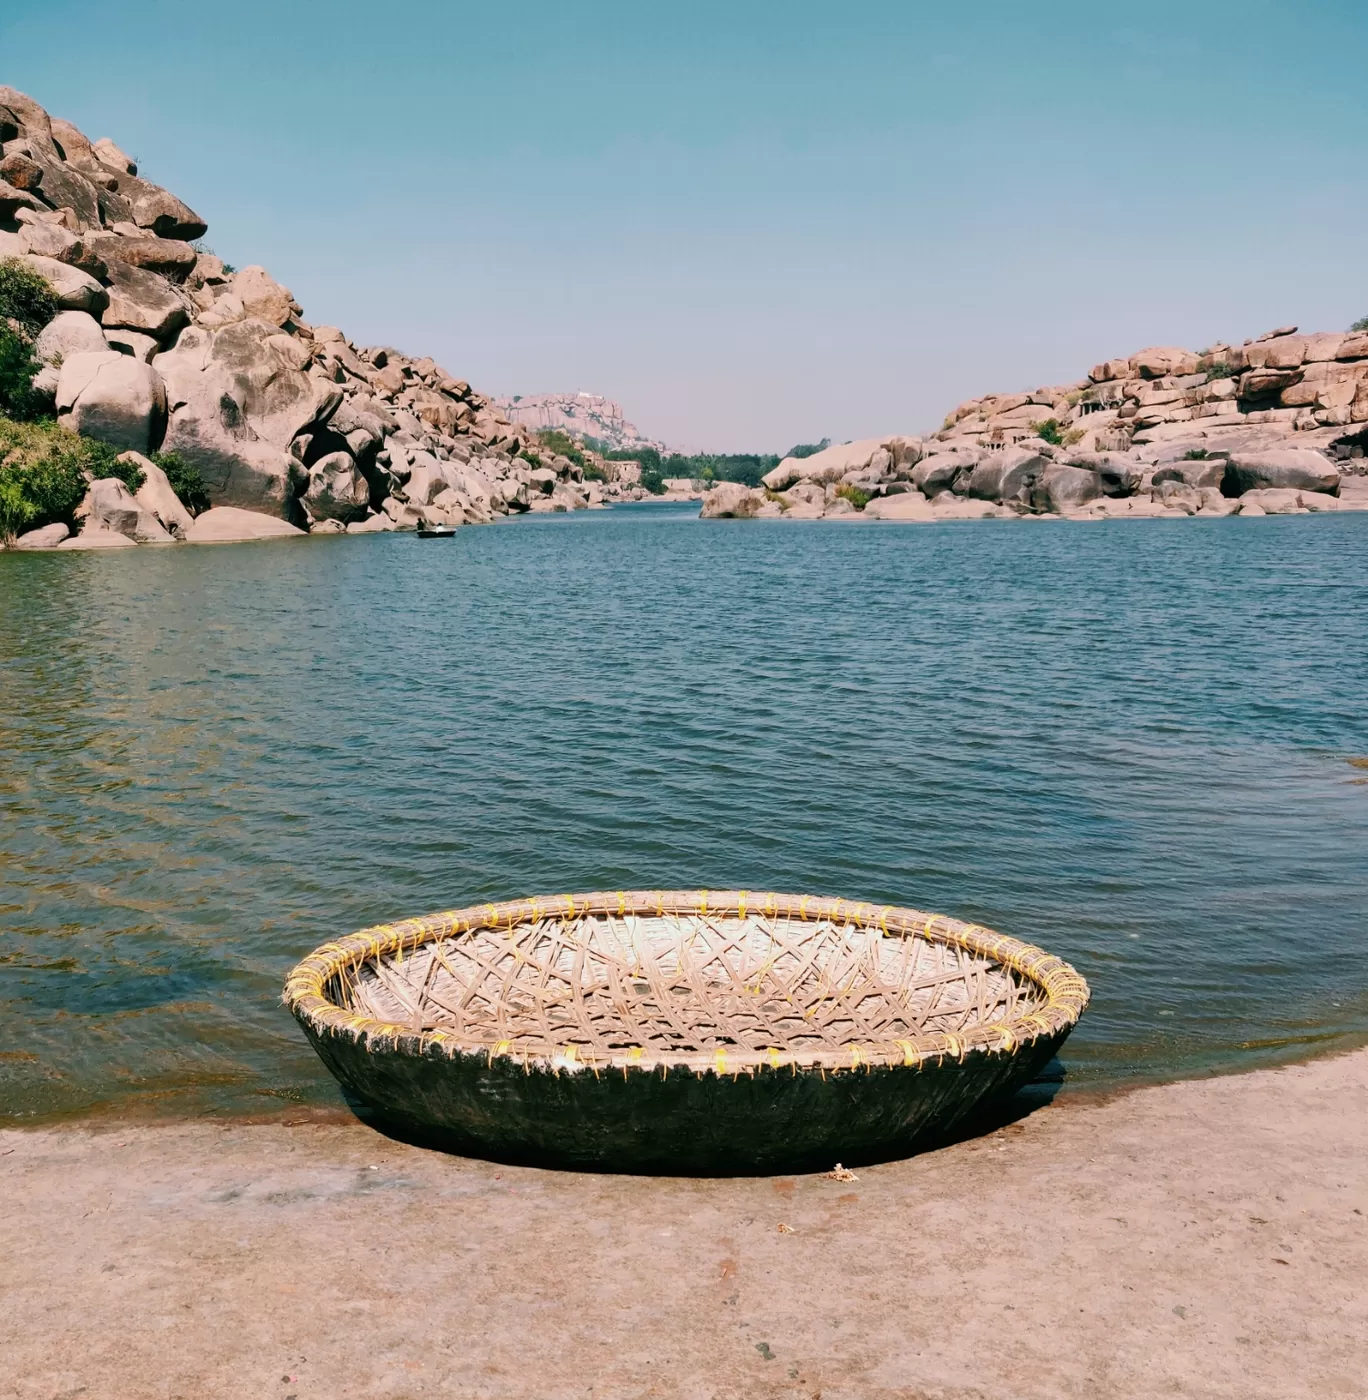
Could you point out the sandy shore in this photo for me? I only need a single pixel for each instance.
(1200, 1239)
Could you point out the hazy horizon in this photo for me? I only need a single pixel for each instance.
(750, 225)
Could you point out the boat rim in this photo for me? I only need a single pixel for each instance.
(1066, 991)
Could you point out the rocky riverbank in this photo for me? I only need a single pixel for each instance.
(158, 345)
(1275, 426)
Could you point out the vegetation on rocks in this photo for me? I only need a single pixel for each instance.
(17, 368)
(185, 480)
(26, 299)
(808, 449)
(857, 498)
(1058, 434)
(27, 304)
(42, 474)
(1360, 325)
(561, 444)
(45, 470)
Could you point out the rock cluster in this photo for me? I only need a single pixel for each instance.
(1277, 425)
(160, 346)
(581, 415)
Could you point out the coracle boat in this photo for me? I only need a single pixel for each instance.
(682, 1031)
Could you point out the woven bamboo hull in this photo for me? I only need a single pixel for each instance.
(767, 1120)
(690, 1031)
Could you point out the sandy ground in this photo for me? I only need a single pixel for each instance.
(1201, 1239)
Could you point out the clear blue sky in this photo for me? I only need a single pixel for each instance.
(751, 223)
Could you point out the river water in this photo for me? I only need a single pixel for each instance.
(1129, 742)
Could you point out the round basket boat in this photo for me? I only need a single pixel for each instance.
(686, 1031)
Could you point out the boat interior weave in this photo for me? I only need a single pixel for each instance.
(683, 984)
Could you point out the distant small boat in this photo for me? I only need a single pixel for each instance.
(435, 532)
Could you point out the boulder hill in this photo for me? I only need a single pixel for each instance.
(1278, 425)
(160, 346)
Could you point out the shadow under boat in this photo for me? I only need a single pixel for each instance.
(1038, 1093)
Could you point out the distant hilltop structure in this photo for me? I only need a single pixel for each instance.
(582, 415)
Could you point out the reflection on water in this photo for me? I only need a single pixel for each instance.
(1126, 741)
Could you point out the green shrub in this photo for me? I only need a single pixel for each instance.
(16, 510)
(103, 462)
(1220, 370)
(1051, 430)
(653, 480)
(1360, 325)
(593, 472)
(45, 469)
(1196, 454)
(185, 480)
(42, 474)
(859, 499)
(25, 297)
(17, 368)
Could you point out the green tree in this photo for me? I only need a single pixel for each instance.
(808, 449)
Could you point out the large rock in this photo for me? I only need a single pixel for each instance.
(228, 525)
(909, 505)
(731, 500)
(75, 290)
(426, 480)
(1060, 488)
(1117, 475)
(13, 199)
(220, 391)
(155, 495)
(337, 489)
(109, 154)
(1160, 361)
(142, 301)
(941, 471)
(262, 297)
(1296, 469)
(1267, 383)
(167, 257)
(99, 539)
(1006, 476)
(62, 187)
(279, 398)
(136, 343)
(114, 398)
(69, 333)
(45, 240)
(154, 208)
(108, 507)
(1273, 501)
(1204, 473)
(45, 537)
(833, 463)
